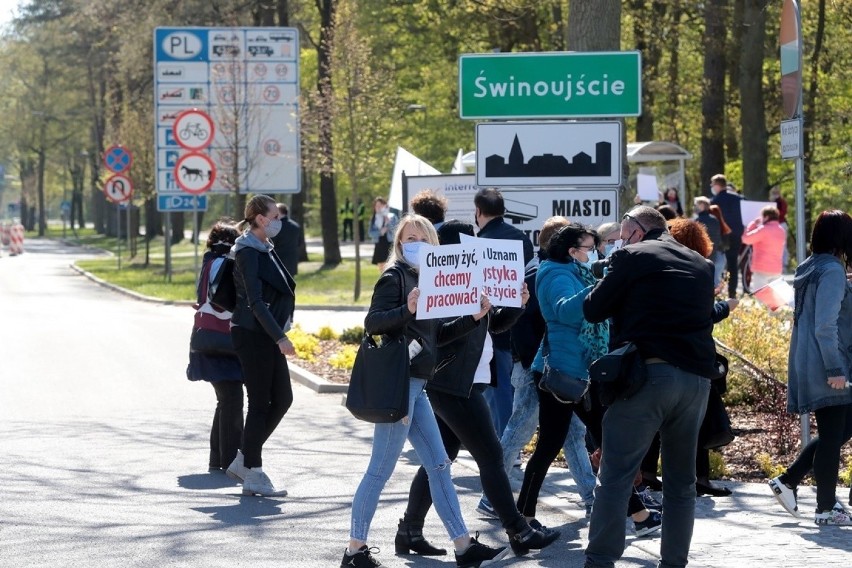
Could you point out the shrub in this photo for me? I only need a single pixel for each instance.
(345, 358)
(352, 335)
(846, 473)
(325, 333)
(769, 469)
(718, 469)
(305, 344)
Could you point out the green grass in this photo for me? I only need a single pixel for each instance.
(315, 285)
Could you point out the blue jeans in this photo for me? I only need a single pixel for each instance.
(499, 399)
(522, 425)
(672, 401)
(421, 429)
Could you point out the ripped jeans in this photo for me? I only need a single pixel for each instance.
(467, 420)
(421, 429)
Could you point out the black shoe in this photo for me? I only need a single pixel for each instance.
(409, 538)
(479, 554)
(711, 490)
(361, 559)
(531, 538)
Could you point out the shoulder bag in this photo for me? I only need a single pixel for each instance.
(621, 373)
(564, 387)
(224, 289)
(379, 383)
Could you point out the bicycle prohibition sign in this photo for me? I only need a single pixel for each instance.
(193, 129)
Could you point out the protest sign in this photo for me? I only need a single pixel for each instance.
(775, 294)
(750, 210)
(450, 281)
(502, 263)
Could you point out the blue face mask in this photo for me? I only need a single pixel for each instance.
(608, 249)
(411, 253)
(593, 257)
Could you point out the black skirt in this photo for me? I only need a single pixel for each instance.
(380, 253)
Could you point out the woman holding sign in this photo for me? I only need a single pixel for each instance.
(456, 394)
(393, 314)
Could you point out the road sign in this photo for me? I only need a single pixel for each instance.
(791, 58)
(195, 173)
(193, 130)
(247, 81)
(181, 202)
(550, 85)
(791, 138)
(526, 154)
(118, 188)
(118, 159)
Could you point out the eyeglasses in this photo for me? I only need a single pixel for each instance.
(635, 220)
(587, 247)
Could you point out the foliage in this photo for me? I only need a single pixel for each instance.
(352, 335)
(345, 358)
(762, 337)
(718, 469)
(307, 345)
(326, 332)
(770, 470)
(845, 477)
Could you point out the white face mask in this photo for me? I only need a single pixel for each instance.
(273, 228)
(593, 257)
(411, 252)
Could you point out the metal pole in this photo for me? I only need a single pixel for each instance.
(129, 203)
(118, 232)
(195, 232)
(168, 247)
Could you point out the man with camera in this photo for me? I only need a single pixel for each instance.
(659, 295)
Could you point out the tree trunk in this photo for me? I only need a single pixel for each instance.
(733, 54)
(755, 137)
(673, 85)
(328, 196)
(178, 225)
(713, 96)
(42, 215)
(646, 23)
(594, 25)
(810, 102)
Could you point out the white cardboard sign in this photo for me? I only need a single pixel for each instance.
(450, 281)
(750, 210)
(502, 263)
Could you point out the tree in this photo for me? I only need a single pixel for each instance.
(755, 137)
(713, 92)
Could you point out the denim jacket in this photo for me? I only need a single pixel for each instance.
(821, 345)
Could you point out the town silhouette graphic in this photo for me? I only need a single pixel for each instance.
(550, 165)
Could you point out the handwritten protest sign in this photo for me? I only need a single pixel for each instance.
(450, 281)
(502, 263)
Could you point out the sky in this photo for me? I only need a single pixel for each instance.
(7, 7)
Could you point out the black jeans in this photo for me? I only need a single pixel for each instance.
(270, 393)
(732, 260)
(227, 431)
(822, 454)
(468, 421)
(554, 418)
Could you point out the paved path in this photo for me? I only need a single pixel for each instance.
(104, 444)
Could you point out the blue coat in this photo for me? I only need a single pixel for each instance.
(560, 294)
(822, 335)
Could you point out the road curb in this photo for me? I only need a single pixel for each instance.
(315, 382)
(125, 291)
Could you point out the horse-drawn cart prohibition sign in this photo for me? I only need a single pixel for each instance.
(195, 173)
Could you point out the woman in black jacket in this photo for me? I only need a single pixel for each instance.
(393, 311)
(456, 392)
(262, 317)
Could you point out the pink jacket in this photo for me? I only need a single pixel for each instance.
(768, 241)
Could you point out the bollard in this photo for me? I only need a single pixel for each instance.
(16, 239)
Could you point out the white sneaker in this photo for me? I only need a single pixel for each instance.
(836, 516)
(258, 483)
(785, 495)
(237, 470)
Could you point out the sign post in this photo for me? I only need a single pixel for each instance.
(119, 189)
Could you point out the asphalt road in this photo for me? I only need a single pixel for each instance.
(104, 443)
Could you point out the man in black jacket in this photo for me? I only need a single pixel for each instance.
(729, 203)
(659, 295)
(289, 241)
(488, 214)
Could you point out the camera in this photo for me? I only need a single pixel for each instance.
(599, 268)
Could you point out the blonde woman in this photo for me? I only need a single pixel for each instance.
(391, 314)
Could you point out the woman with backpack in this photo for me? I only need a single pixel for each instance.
(265, 300)
(212, 357)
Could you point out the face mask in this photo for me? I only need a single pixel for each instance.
(593, 257)
(272, 228)
(411, 253)
(608, 249)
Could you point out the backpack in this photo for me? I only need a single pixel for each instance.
(224, 290)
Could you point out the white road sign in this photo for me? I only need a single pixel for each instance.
(524, 154)
(195, 173)
(246, 80)
(193, 130)
(118, 188)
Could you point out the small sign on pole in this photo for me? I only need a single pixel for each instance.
(195, 173)
(193, 130)
(118, 159)
(118, 188)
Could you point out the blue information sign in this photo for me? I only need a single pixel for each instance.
(181, 202)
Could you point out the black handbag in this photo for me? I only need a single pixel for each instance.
(565, 388)
(621, 373)
(211, 342)
(379, 384)
(716, 431)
